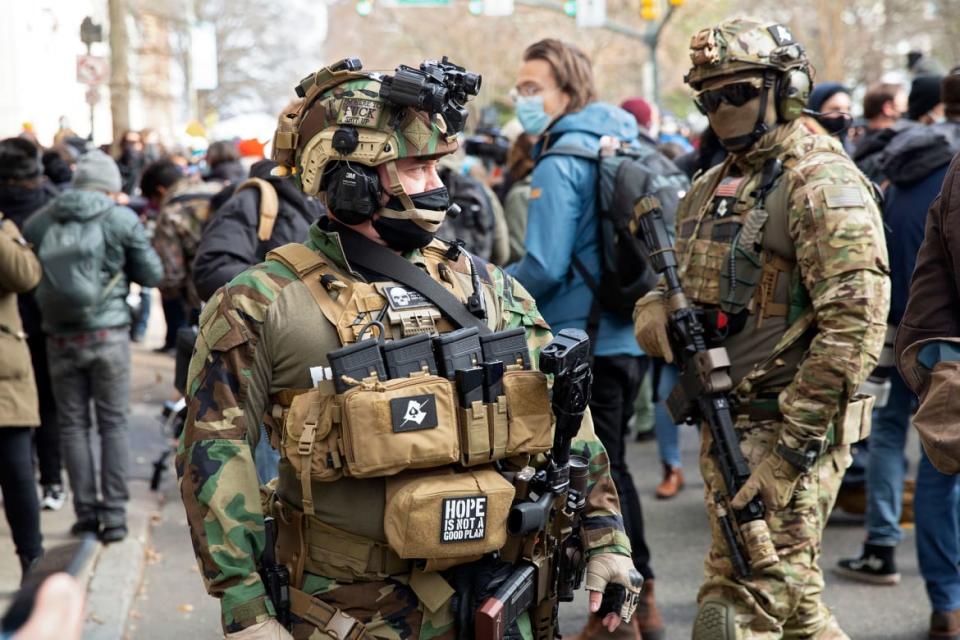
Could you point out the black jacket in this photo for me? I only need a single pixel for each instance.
(919, 151)
(229, 243)
(870, 154)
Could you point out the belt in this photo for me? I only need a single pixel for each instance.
(81, 339)
(327, 618)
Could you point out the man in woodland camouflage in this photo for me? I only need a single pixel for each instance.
(262, 354)
(782, 247)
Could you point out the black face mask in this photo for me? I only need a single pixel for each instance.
(407, 235)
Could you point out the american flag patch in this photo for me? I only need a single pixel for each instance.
(728, 187)
(841, 197)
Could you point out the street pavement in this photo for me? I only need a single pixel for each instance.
(151, 579)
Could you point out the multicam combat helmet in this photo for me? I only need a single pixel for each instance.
(743, 45)
(343, 118)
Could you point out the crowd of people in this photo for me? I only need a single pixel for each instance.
(847, 195)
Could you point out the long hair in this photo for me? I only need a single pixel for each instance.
(571, 69)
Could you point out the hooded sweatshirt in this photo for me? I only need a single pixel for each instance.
(562, 223)
(127, 250)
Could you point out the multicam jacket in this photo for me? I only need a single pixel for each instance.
(826, 258)
(261, 333)
(179, 224)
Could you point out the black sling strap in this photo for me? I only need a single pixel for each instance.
(370, 255)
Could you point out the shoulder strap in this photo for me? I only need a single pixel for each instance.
(269, 206)
(569, 150)
(377, 258)
(306, 263)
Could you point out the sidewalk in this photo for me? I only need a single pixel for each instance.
(113, 576)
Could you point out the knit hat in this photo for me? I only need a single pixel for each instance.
(924, 96)
(97, 171)
(823, 92)
(950, 93)
(19, 159)
(639, 109)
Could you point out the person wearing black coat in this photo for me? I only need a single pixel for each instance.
(229, 243)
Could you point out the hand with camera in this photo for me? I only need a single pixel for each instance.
(614, 585)
(650, 321)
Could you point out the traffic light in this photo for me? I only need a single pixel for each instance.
(364, 7)
(570, 8)
(648, 9)
(475, 7)
(676, 3)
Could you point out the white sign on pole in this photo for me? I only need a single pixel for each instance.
(591, 13)
(92, 69)
(203, 56)
(498, 8)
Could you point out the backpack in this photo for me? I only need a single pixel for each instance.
(73, 255)
(475, 224)
(626, 171)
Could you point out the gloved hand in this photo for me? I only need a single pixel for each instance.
(613, 570)
(266, 630)
(774, 479)
(650, 326)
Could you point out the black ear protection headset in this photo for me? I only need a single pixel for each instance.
(353, 189)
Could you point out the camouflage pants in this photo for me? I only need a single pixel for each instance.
(389, 609)
(782, 601)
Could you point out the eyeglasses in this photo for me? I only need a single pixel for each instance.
(735, 95)
(528, 91)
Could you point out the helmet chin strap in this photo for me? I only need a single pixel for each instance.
(760, 128)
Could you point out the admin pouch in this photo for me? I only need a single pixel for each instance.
(445, 516)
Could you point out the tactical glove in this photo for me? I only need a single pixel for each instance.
(614, 576)
(774, 479)
(650, 326)
(266, 630)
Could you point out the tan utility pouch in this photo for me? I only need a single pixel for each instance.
(854, 426)
(528, 411)
(475, 446)
(446, 515)
(391, 426)
(309, 440)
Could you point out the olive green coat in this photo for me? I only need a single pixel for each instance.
(19, 272)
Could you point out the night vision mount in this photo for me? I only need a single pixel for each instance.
(436, 87)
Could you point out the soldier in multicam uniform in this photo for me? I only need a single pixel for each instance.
(782, 247)
(263, 346)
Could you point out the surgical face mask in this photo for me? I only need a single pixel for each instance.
(531, 115)
(407, 234)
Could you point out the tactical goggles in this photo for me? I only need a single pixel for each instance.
(735, 94)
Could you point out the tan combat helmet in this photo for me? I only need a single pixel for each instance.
(741, 46)
(347, 115)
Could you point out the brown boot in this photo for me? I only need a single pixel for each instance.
(647, 615)
(594, 630)
(945, 625)
(672, 482)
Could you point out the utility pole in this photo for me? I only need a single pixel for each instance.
(91, 32)
(119, 68)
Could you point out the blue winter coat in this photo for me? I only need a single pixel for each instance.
(562, 222)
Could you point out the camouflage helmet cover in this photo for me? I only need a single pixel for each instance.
(741, 45)
(337, 100)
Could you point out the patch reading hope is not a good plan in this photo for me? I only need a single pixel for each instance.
(413, 413)
(463, 519)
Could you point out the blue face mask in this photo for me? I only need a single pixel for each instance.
(531, 115)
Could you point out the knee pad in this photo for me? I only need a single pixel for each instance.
(715, 621)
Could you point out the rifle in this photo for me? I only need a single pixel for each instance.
(701, 395)
(275, 576)
(552, 559)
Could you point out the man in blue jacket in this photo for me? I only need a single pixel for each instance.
(556, 100)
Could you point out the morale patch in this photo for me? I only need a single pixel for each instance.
(723, 206)
(403, 298)
(841, 197)
(781, 34)
(413, 413)
(463, 519)
(359, 112)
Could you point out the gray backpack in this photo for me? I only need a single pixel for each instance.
(73, 256)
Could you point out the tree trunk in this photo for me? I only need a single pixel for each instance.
(119, 69)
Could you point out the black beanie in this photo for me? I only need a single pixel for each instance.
(924, 96)
(19, 159)
(950, 93)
